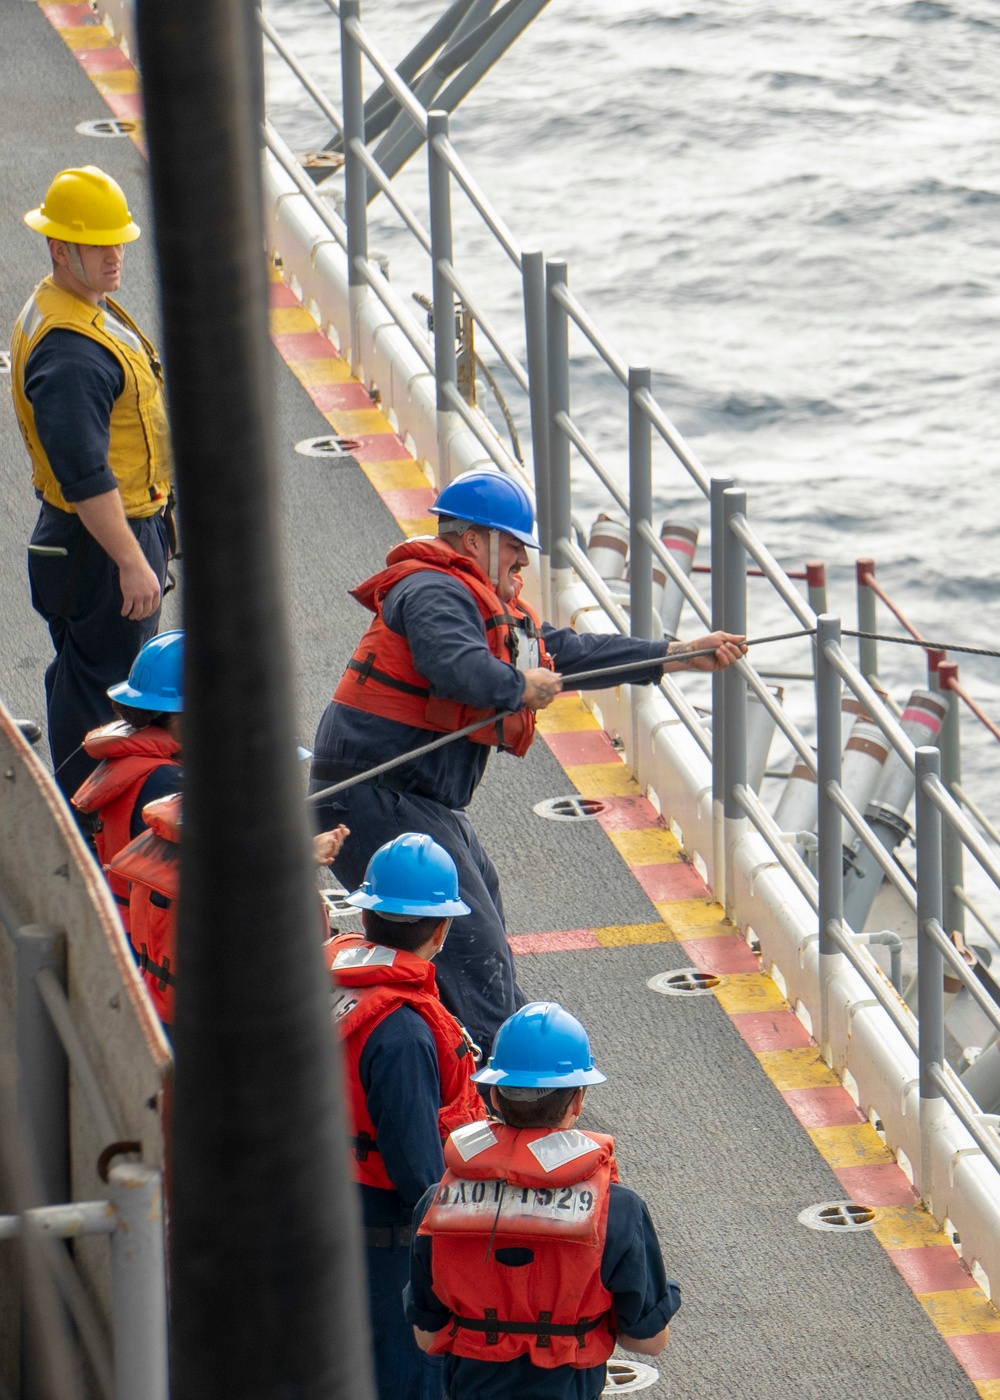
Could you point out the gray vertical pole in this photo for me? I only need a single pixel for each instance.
(42, 1095)
(533, 282)
(138, 1283)
(942, 674)
(867, 619)
(355, 176)
(720, 484)
(445, 357)
(43, 1084)
(734, 687)
(930, 961)
(829, 825)
(640, 486)
(560, 491)
(816, 585)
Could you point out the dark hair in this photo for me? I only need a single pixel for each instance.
(546, 1112)
(140, 719)
(406, 937)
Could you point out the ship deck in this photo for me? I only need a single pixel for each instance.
(725, 1117)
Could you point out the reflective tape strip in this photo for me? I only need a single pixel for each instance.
(364, 957)
(556, 1149)
(473, 1138)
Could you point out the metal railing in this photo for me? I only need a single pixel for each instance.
(542, 377)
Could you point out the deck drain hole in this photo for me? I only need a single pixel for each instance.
(569, 809)
(4, 362)
(625, 1377)
(684, 982)
(328, 446)
(844, 1216)
(107, 127)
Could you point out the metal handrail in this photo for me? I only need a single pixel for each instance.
(793, 864)
(327, 108)
(305, 186)
(682, 706)
(460, 287)
(963, 898)
(873, 703)
(950, 810)
(983, 821)
(480, 426)
(566, 425)
(971, 1121)
(407, 102)
(615, 362)
(389, 190)
(887, 998)
(871, 842)
(964, 973)
(478, 199)
(646, 402)
(398, 310)
(772, 570)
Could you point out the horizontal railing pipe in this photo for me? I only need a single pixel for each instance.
(674, 441)
(773, 571)
(964, 899)
(970, 1120)
(569, 429)
(399, 311)
(407, 102)
(966, 801)
(616, 363)
(63, 1222)
(283, 155)
(793, 865)
(493, 221)
(388, 188)
(952, 812)
(873, 703)
(871, 842)
(960, 969)
(478, 425)
(517, 371)
(889, 1001)
(324, 105)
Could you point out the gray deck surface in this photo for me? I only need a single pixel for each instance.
(770, 1309)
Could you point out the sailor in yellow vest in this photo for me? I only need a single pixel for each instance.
(88, 393)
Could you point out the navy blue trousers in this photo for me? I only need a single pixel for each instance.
(475, 968)
(79, 597)
(402, 1371)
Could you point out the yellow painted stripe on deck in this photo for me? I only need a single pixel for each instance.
(851, 1145)
(749, 991)
(988, 1390)
(802, 1068)
(694, 918)
(566, 715)
(602, 780)
(87, 36)
(359, 420)
(961, 1312)
(291, 320)
(405, 475)
(329, 370)
(422, 525)
(907, 1227)
(625, 935)
(652, 846)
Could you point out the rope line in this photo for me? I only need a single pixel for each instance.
(881, 637)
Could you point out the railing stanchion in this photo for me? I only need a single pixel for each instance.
(719, 486)
(640, 487)
(930, 963)
(816, 585)
(445, 355)
(867, 620)
(829, 827)
(138, 1282)
(533, 282)
(560, 490)
(941, 675)
(734, 687)
(355, 178)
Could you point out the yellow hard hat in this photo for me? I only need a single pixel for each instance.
(84, 206)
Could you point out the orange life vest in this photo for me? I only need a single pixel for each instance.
(545, 1194)
(382, 679)
(150, 866)
(128, 756)
(370, 982)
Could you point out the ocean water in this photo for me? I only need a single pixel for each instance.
(791, 212)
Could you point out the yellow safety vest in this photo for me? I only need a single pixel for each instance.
(139, 448)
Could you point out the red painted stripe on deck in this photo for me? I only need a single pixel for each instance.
(771, 1030)
(103, 60)
(721, 955)
(828, 1106)
(931, 1268)
(576, 746)
(305, 345)
(978, 1355)
(564, 941)
(882, 1184)
(626, 813)
(678, 880)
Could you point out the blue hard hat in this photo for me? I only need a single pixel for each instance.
(156, 680)
(487, 497)
(412, 875)
(542, 1046)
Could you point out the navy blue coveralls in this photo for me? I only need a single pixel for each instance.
(441, 622)
(72, 384)
(631, 1270)
(399, 1074)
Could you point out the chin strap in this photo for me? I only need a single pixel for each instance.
(76, 263)
(494, 569)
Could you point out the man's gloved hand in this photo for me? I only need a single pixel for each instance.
(540, 688)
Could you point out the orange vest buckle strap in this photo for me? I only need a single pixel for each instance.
(381, 677)
(161, 975)
(542, 1330)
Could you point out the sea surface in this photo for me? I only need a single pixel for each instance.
(791, 212)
